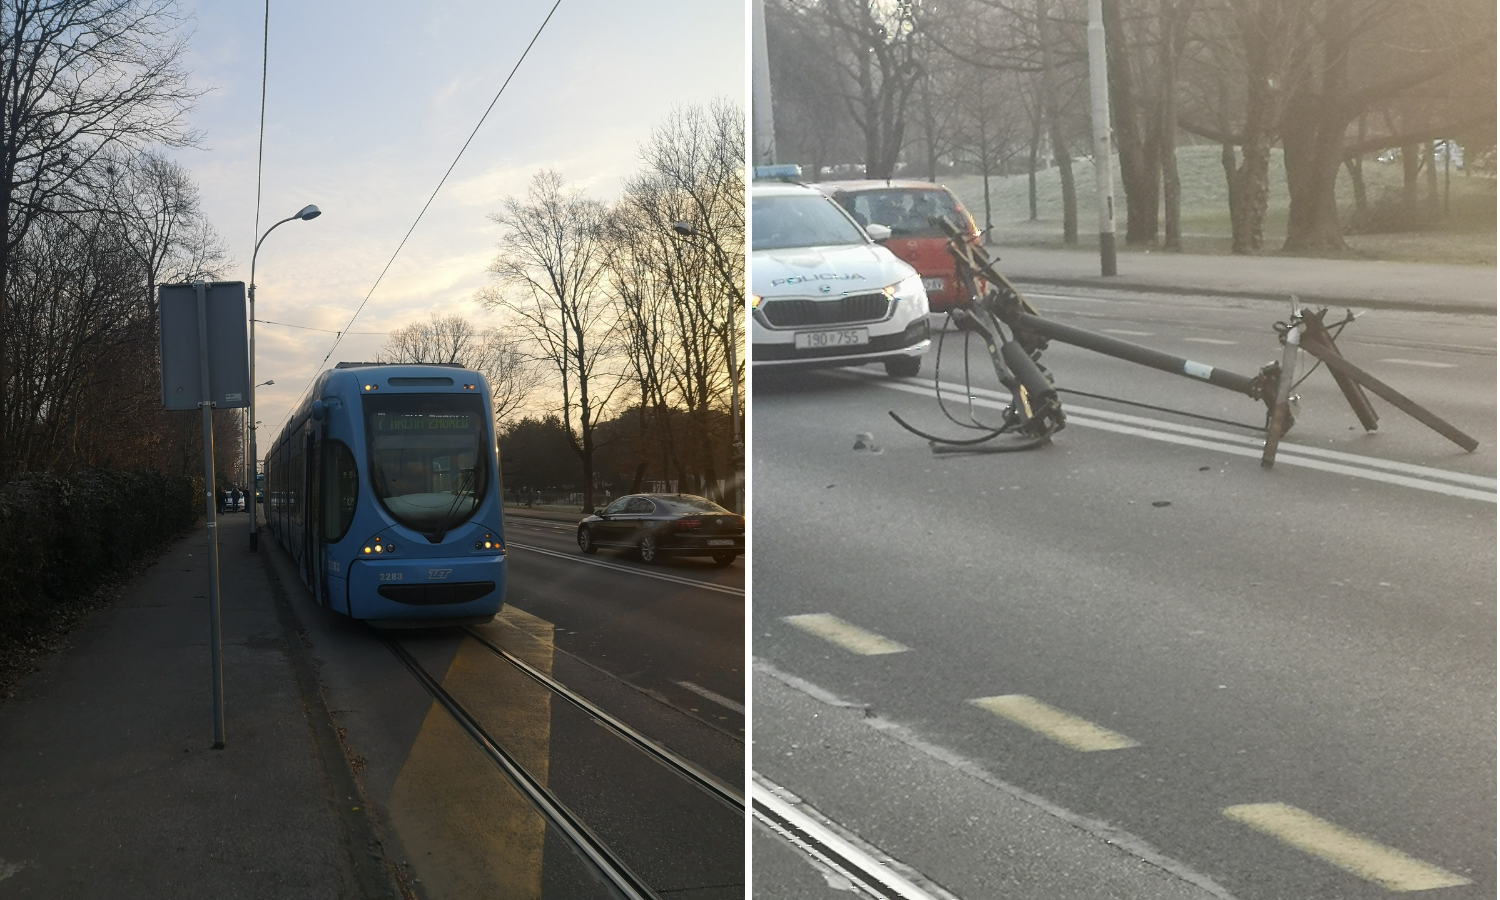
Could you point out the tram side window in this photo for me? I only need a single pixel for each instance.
(340, 489)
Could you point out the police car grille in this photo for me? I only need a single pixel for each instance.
(834, 311)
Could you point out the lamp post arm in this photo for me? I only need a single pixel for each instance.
(263, 237)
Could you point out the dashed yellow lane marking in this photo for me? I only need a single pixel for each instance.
(850, 637)
(1065, 728)
(1360, 856)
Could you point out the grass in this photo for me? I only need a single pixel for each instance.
(1467, 236)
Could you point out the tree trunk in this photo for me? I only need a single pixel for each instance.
(1312, 141)
(1249, 181)
(1171, 184)
(1136, 141)
(1411, 166)
(1356, 169)
(1429, 159)
(1033, 151)
(1054, 125)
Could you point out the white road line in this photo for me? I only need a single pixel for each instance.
(874, 876)
(1358, 855)
(660, 576)
(1048, 721)
(1128, 333)
(1423, 478)
(1210, 341)
(710, 695)
(851, 637)
(1420, 362)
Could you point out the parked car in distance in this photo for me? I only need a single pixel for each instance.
(660, 525)
(910, 209)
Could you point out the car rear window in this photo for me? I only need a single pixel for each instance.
(908, 212)
(689, 503)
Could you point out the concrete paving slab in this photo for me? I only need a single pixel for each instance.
(108, 780)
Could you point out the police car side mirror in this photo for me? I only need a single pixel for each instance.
(878, 232)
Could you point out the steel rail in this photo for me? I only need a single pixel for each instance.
(622, 883)
(706, 781)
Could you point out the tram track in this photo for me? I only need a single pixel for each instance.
(711, 784)
(608, 865)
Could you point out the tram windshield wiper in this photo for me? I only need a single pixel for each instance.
(437, 536)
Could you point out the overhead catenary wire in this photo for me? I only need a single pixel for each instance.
(418, 219)
(310, 328)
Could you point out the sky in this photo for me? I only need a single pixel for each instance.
(367, 103)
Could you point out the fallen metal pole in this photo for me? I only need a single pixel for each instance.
(1337, 363)
(1135, 353)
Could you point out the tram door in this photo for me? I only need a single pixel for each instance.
(311, 550)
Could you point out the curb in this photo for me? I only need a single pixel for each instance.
(372, 872)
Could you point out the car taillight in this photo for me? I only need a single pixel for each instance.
(688, 524)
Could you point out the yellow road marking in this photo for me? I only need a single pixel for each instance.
(850, 637)
(1360, 856)
(1065, 728)
(469, 833)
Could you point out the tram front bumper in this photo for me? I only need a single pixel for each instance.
(445, 588)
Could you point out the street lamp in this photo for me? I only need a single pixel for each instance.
(732, 287)
(306, 213)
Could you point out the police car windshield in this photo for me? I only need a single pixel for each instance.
(805, 220)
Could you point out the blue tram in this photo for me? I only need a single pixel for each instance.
(385, 489)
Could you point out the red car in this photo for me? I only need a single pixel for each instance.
(909, 209)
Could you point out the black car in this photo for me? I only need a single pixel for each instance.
(657, 525)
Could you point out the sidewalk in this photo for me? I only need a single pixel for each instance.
(1333, 282)
(107, 776)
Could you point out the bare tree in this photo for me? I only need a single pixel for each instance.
(877, 55)
(495, 353)
(77, 79)
(548, 271)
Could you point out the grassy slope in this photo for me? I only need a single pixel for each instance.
(1467, 237)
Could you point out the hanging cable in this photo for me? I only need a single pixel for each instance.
(423, 212)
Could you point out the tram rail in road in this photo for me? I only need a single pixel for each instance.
(608, 867)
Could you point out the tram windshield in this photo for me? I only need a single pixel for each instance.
(428, 465)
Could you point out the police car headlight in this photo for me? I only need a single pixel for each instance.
(909, 290)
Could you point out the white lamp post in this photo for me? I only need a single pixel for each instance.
(306, 213)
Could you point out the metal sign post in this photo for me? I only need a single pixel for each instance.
(216, 635)
(198, 323)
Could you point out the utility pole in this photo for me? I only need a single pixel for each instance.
(1103, 176)
(763, 123)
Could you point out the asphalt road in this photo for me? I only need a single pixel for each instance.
(660, 650)
(1266, 684)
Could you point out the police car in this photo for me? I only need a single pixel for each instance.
(823, 292)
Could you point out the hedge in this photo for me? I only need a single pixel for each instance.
(62, 536)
